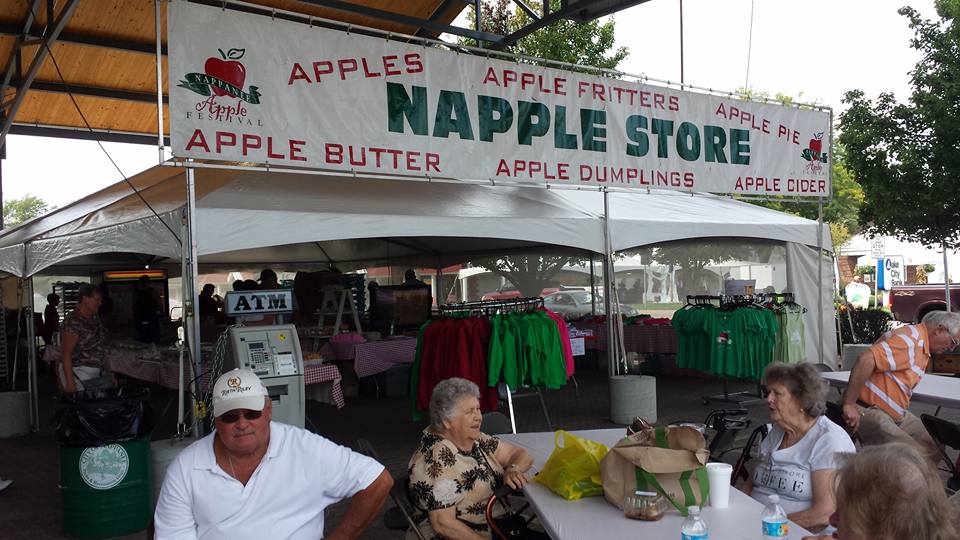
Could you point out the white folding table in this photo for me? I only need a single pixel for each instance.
(933, 389)
(594, 517)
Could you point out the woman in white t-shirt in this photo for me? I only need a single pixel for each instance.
(799, 457)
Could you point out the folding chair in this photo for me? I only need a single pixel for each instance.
(495, 423)
(740, 469)
(834, 413)
(403, 516)
(945, 433)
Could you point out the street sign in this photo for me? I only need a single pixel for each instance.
(891, 272)
(878, 248)
(896, 270)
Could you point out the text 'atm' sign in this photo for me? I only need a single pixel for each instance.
(240, 303)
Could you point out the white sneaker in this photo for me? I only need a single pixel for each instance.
(4, 484)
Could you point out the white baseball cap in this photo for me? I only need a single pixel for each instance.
(238, 389)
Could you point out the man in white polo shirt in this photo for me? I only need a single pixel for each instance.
(254, 479)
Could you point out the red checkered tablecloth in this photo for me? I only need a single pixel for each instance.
(325, 374)
(372, 357)
(636, 338)
(160, 366)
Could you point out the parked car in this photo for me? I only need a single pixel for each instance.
(509, 292)
(909, 303)
(573, 304)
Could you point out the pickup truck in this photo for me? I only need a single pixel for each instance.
(910, 303)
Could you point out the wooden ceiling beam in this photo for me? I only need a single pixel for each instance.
(52, 33)
(13, 63)
(91, 41)
(91, 91)
(407, 20)
(86, 134)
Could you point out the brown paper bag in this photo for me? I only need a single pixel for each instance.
(670, 461)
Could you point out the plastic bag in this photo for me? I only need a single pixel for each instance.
(100, 417)
(573, 470)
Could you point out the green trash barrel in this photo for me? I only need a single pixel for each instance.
(106, 489)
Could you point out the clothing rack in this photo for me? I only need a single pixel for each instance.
(778, 299)
(486, 306)
(491, 306)
(745, 300)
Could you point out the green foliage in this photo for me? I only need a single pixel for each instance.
(587, 44)
(907, 155)
(865, 270)
(928, 268)
(16, 211)
(530, 274)
(868, 324)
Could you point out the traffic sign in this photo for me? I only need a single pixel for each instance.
(878, 248)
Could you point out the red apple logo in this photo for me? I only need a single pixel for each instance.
(226, 69)
(816, 144)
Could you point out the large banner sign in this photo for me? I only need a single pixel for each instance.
(248, 88)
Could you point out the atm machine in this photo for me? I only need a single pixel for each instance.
(273, 353)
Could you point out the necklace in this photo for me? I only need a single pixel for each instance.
(232, 470)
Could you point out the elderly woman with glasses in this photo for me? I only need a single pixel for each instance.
(799, 457)
(456, 468)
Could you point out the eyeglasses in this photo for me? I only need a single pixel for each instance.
(232, 416)
(954, 342)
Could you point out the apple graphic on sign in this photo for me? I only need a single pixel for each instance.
(226, 69)
(816, 143)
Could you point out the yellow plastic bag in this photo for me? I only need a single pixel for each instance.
(573, 470)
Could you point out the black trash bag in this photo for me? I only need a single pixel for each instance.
(101, 417)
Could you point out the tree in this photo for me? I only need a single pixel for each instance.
(587, 44)
(16, 211)
(530, 274)
(691, 257)
(907, 155)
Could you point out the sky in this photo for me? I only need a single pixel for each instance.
(814, 50)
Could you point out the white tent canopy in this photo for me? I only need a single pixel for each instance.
(639, 218)
(270, 217)
(255, 217)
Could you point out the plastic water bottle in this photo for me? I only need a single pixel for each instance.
(693, 527)
(774, 520)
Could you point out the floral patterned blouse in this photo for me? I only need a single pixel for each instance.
(441, 476)
(92, 336)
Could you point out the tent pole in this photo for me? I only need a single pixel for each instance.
(439, 281)
(820, 280)
(189, 311)
(593, 288)
(156, 16)
(613, 369)
(946, 277)
(181, 338)
(32, 360)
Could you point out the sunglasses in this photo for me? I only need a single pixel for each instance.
(233, 416)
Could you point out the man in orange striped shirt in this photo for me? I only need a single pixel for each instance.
(876, 402)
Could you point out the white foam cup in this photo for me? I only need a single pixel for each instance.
(719, 476)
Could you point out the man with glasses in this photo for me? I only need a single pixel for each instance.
(252, 478)
(882, 380)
